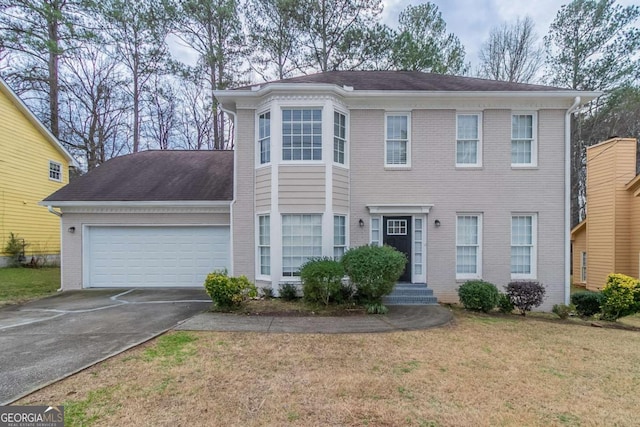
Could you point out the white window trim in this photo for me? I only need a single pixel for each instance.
(397, 166)
(323, 138)
(378, 241)
(257, 139)
(534, 246)
(52, 162)
(346, 234)
(478, 273)
(259, 275)
(534, 140)
(346, 140)
(295, 278)
(479, 146)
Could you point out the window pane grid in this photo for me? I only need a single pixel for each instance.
(521, 244)
(417, 250)
(264, 137)
(301, 240)
(522, 139)
(339, 236)
(302, 134)
(397, 227)
(55, 171)
(264, 249)
(375, 231)
(467, 244)
(467, 139)
(397, 139)
(339, 136)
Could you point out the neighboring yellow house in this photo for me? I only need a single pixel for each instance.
(608, 240)
(33, 164)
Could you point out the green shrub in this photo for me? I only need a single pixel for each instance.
(376, 308)
(15, 249)
(621, 296)
(373, 270)
(525, 294)
(288, 291)
(587, 303)
(227, 292)
(321, 280)
(504, 304)
(563, 311)
(478, 295)
(266, 292)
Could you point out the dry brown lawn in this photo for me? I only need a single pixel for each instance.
(481, 371)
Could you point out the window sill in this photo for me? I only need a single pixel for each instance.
(466, 279)
(524, 167)
(396, 168)
(55, 180)
(469, 168)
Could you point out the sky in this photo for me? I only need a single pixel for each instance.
(472, 20)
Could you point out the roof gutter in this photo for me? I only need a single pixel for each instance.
(235, 181)
(567, 199)
(56, 213)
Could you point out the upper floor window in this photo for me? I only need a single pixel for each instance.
(264, 137)
(339, 137)
(524, 150)
(468, 141)
(468, 246)
(397, 141)
(523, 247)
(55, 171)
(302, 134)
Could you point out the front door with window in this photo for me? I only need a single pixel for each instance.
(397, 233)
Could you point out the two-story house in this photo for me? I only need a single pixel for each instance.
(466, 176)
(33, 164)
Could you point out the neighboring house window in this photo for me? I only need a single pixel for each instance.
(523, 140)
(301, 240)
(375, 231)
(339, 137)
(55, 171)
(583, 268)
(264, 244)
(302, 134)
(339, 236)
(523, 246)
(468, 246)
(397, 142)
(264, 137)
(468, 142)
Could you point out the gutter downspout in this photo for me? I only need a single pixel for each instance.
(59, 215)
(56, 213)
(567, 199)
(235, 183)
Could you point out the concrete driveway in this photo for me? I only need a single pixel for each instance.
(51, 338)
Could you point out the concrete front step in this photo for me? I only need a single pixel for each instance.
(410, 294)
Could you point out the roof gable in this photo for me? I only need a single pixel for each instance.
(157, 175)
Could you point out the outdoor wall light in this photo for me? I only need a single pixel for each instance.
(361, 223)
(437, 222)
(72, 230)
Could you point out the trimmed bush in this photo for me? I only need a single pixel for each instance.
(227, 292)
(621, 296)
(478, 295)
(562, 311)
(525, 294)
(321, 280)
(504, 304)
(288, 291)
(587, 303)
(373, 270)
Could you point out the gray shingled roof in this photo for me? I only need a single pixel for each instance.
(155, 176)
(410, 81)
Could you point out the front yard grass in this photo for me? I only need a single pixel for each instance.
(483, 371)
(22, 284)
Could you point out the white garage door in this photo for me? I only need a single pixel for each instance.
(154, 256)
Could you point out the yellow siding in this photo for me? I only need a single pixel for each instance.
(634, 231)
(625, 170)
(24, 181)
(600, 214)
(579, 245)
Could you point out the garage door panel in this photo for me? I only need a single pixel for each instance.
(154, 256)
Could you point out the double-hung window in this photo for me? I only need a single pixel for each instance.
(397, 151)
(339, 137)
(55, 171)
(468, 141)
(264, 244)
(301, 240)
(523, 246)
(339, 236)
(583, 267)
(302, 134)
(264, 137)
(468, 246)
(524, 149)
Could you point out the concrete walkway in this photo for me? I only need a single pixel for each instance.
(399, 318)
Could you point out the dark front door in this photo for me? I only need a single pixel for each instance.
(397, 233)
